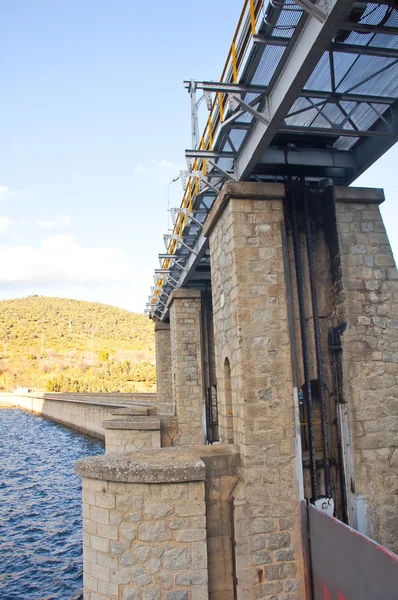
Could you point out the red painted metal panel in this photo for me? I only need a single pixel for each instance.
(347, 565)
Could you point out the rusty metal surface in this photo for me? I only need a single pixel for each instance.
(346, 565)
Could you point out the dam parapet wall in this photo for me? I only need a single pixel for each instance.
(87, 412)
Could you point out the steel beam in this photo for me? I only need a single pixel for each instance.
(367, 151)
(364, 28)
(365, 50)
(229, 88)
(193, 260)
(172, 256)
(315, 38)
(208, 154)
(316, 157)
(334, 97)
(331, 131)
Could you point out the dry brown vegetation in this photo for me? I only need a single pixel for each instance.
(57, 344)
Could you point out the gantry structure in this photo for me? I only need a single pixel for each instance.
(309, 89)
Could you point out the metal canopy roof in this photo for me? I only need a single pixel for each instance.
(307, 89)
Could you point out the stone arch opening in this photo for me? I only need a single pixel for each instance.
(229, 417)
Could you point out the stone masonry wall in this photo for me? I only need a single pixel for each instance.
(186, 365)
(367, 300)
(143, 541)
(251, 331)
(128, 435)
(163, 362)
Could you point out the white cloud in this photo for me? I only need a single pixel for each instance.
(159, 168)
(15, 194)
(4, 192)
(168, 164)
(55, 222)
(5, 222)
(60, 260)
(139, 169)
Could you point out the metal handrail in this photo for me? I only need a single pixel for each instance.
(244, 33)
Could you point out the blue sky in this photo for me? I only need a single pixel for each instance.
(94, 120)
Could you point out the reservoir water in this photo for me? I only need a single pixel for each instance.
(40, 507)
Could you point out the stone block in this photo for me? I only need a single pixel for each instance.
(154, 532)
(177, 559)
(152, 593)
(199, 555)
(131, 593)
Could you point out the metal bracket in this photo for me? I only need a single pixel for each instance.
(206, 182)
(220, 170)
(319, 11)
(177, 259)
(157, 288)
(260, 116)
(183, 179)
(165, 275)
(232, 118)
(188, 213)
(173, 236)
(208, 99)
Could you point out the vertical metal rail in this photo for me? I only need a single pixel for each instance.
(293, 357)
(233, 547)
(304, 342)
(210, 387)
(318, 346)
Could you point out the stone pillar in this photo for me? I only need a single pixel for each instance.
(131, 434)
(144, 526)
(254, 380)
(366, 284)
(186, 364)
(163, 362)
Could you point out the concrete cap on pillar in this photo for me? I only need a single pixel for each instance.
(133, 423)
(161, 326)
(358, 195)
(139, 411)
(183, 293)
(241, 190)
(163, 465)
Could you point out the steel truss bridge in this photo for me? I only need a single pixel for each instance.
(308, 89)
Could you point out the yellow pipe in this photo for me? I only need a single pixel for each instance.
(184, 203)
(202, 147)
(252, 17)
(221, 106)
(234, 69)
(210, 124)
(190, 198)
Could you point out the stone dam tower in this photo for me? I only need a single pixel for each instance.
(277, 387)
(270, 470)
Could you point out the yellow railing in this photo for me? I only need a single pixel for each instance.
(244, 33)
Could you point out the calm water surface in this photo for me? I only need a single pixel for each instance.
(40, 507)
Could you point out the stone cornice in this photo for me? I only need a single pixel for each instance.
(241, 190)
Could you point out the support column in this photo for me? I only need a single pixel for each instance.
(164, 392)
(186, 365)
(144, 526)
(131, 434)
(366, 284)
(252, 348)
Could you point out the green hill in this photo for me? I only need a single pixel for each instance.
(57, 344)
